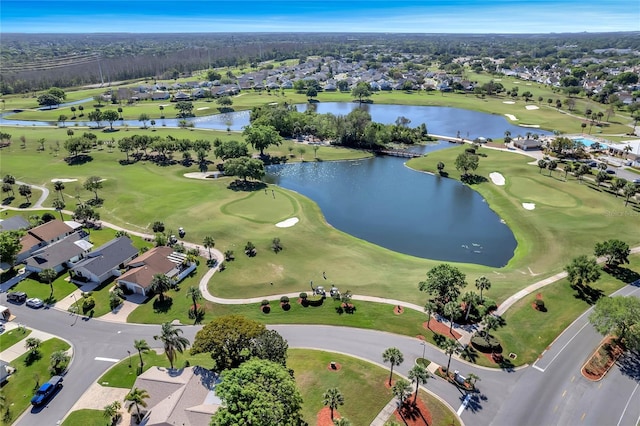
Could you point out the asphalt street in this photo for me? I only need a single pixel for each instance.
(551, 392)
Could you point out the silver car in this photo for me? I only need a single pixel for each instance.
(34, 302)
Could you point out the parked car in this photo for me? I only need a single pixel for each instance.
(34, 302)
(17, 296)
(611, 171)
(46, 390)
(636, 181)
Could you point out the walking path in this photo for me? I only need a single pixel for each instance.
(19, 348)
(386, 413)
(43, 197)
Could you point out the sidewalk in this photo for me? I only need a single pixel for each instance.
(385, 413)
(13, 352)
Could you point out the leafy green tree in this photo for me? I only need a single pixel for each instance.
(244, 167)
(185, 109)
(160, 284)
(96, 116)
(419, 375)
(126, 145)
(231, 149)
(401, 390)
(312, 92)
(394, 357)
(48, 100)
(620, 316)
(9, 180)
(270, 345)
(482, 283)
(449, 347)
(261, 137)
(228, 339)
(362, 91)
(48, 275)
(85, 213)
(440, 167)
(553, 164)
(444, 282)
(615, 252)
(59, 205)
(332, 398)
(77, 145)
(62, 119)
(142, 347)
(110, 116)
(258, 392)
(542, 164)
(93, 184)
(137, 397)
(276, 246)
(58, 93)
(25, 191)
(467, 161)
(582, 270)
(143, 118)
(10, 246)
(172, 341)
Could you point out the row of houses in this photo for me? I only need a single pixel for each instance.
(63, 246)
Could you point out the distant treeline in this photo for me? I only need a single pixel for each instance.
(30, 62)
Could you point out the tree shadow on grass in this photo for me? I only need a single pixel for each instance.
(470, 354)
(78, 160)
(8, 201)
(246, 186)
(623, 274)
(473, 179)
(162, 306)
(32, 356)
(587, 293)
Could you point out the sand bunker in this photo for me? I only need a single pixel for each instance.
(287, 223)
(508, 102)
(529, 206)
(201, 108)
(511, 117)
(497, 178)
(63, 180)
(532, 107)
(205, 175)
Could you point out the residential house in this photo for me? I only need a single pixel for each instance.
(5, 371)
(41, 236)
(160, 95)
(14, 223)
(59, 255)
(104, 262)
(181, 96)
(158, 260)
(179, 397)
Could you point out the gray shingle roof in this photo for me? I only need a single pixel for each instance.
(108, 256)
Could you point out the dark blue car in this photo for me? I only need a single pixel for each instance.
(46, 390)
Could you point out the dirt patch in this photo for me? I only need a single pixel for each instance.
(324, 417)
(440, 328)
(398, 310)
(411, 414)
(334, 366)
(601, 361)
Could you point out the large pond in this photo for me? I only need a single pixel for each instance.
(439, 120)
(382, 201)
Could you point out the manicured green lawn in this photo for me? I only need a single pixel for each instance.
(23, 383)
(35, 288)
(529, 331)
(11, 337)
(123, 376)
(361, 383)
(86, 417)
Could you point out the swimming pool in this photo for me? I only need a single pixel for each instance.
(589, 142)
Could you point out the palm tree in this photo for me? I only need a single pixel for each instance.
(341, 422)
(401, 390)
(482, 283)
(617, 184)
(450, 310)
(48, 275)
(32, 344)
(172, 341)
(159, 284)
(332, 398)
(59, 205)
(137, 397)
(472, 379)
(141, 346)
(430, 307)
(629, 190)
(59, 187)
(419, 375)
(394, 357)
(449, 346)
(195, 294)
(491, 323)
(112, 411)
(73, 110)
(209, 243)
(57, 358)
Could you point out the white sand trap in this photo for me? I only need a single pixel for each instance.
(63, 180)
(534, 126)
(165, 105)
(287, 223)
(508, 102)
(531, 107)
(529, 206)
(511, 117)
(497, 178)
(200, 175)
(201, 108)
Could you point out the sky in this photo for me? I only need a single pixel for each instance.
(379, 16)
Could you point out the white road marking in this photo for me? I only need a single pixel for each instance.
(99, 358)
(627, 406)
(538, 368)
(464, 404)
(565, 345)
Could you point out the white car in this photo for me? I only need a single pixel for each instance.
(34, 302)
